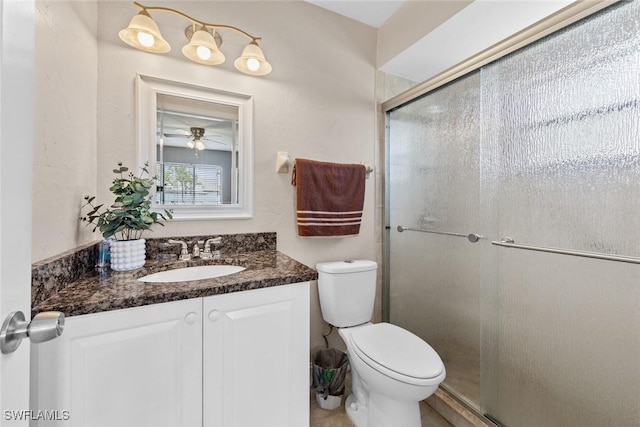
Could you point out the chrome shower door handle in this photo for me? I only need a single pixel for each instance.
(44, 327)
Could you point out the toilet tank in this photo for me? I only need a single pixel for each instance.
(347, 291)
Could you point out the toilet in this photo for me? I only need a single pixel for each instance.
(392, 370)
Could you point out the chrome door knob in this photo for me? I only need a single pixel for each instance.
(44, 327)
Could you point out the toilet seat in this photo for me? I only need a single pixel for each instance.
(397, 353)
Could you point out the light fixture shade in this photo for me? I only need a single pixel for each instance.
(203, 49)
(140, 26)
(252, 61)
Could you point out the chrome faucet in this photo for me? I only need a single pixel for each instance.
(184, 251)
(206, 253)
(196, 249)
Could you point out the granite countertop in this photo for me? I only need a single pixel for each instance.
(111, 290)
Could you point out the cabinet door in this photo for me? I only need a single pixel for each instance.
(256, 358)
(135, 367)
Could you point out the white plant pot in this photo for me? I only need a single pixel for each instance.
(330, 403)
(127, 254)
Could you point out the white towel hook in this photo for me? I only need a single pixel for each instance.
(282, 162)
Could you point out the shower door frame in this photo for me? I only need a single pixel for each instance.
(555, 22)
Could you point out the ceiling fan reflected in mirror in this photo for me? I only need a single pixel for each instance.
(196, 136)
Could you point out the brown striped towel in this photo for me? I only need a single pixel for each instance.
(329, 198)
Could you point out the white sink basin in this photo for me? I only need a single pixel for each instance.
(191, 273)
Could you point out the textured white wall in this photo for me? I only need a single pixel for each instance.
(318, 103)
(65, 123)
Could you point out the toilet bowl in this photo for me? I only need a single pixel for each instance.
(392, 370)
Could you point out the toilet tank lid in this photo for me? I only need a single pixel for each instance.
(349, 266)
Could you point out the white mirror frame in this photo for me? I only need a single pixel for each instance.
(147, 90)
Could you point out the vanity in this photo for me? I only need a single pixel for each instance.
(224, 351)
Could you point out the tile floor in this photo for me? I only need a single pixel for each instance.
(339, 418)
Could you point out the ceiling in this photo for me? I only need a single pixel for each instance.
(370, 12)
(453, 39)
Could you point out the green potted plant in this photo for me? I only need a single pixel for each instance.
(127, 218)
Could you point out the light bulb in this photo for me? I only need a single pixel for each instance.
(200, 145)
(145, 39)
(191, 144)
(203, 52)
(253, 64)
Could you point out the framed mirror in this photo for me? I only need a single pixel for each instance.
(199, 142)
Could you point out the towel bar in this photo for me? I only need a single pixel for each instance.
(283, 159)
(472, 237)
(508, 242)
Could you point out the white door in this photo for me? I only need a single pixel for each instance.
(16, 141)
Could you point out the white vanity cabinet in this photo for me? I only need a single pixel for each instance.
(256, 358)
(238, 359)
(134, 367)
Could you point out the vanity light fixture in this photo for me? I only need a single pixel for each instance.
(204, 41)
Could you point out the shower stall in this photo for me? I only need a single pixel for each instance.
(513, 227)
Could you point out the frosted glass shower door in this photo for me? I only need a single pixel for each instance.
(561, 162)
(434, 185)
(541, 146)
